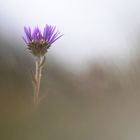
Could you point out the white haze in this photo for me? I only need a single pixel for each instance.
(93, 29)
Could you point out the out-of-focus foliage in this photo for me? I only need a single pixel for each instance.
(102, 103)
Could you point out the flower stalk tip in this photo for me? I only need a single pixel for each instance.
(38, 43)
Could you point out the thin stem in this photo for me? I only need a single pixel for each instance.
(37, 78)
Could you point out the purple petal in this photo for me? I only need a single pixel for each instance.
(52, 41)
(25, 40)
(36, 35)
(46, 32)
(39, 34)
(49, 34)
(54, 36)
(51, 31)
(28, 34)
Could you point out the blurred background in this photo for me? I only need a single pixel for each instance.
(90, 87)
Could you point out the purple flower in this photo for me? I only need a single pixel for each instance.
(39, 42)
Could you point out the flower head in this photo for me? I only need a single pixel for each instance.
(39, 42)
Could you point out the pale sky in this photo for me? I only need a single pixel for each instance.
(92, 28)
